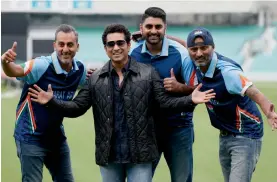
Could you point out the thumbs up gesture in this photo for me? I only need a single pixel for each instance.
(10, 54)
(171, 84)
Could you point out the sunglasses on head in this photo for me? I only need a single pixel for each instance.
(119, 43)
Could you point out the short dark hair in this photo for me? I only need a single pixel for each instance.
(66, 29)
(116, 28)
(154, 12)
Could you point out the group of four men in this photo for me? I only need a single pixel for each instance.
(140, 111)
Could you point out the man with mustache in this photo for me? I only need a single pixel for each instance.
(122, 93)
(233, 111)
(39, 133)
(175, 133)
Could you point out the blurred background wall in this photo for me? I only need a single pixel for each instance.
(244, 31)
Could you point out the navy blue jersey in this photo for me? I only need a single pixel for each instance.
(230, 110)
(35, 123)
(171, 56)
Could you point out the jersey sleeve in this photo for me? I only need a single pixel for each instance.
(235, 81)
(34, 69)
(84, 76)
(189, 72)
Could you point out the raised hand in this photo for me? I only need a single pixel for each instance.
(272, 117)
(40, 96)
(199, 97)
(10, 54)
(171, 84)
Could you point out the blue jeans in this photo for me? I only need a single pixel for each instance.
(32, 158)
(238, 157)
(115, 172)
(176, 145)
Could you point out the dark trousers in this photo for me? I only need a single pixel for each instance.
(176, 145)
(33, 157)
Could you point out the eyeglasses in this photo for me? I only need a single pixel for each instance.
(119, 43)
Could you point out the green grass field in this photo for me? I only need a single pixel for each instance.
(80, 133)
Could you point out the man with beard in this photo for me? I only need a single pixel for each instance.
(39, 133)
(121, 94)
(233, 111)
(174, 129)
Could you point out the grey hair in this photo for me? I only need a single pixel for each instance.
(66, 29)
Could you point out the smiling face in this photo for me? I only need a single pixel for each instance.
(66, 46)
(117, 48)
(201, 54)
(153, 29)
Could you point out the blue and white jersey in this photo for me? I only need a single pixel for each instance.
(230, 110)
(36, 123)
(171, 56)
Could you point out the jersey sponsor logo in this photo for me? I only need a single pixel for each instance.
(64, 95)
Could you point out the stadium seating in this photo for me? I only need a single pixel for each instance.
(229, 41)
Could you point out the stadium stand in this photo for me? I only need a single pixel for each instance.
(244, 31)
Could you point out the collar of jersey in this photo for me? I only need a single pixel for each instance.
(211, 69)
(164, 51)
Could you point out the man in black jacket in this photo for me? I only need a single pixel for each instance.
(121, 94)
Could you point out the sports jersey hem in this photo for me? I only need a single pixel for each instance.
(32, 142)
(254, 135)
